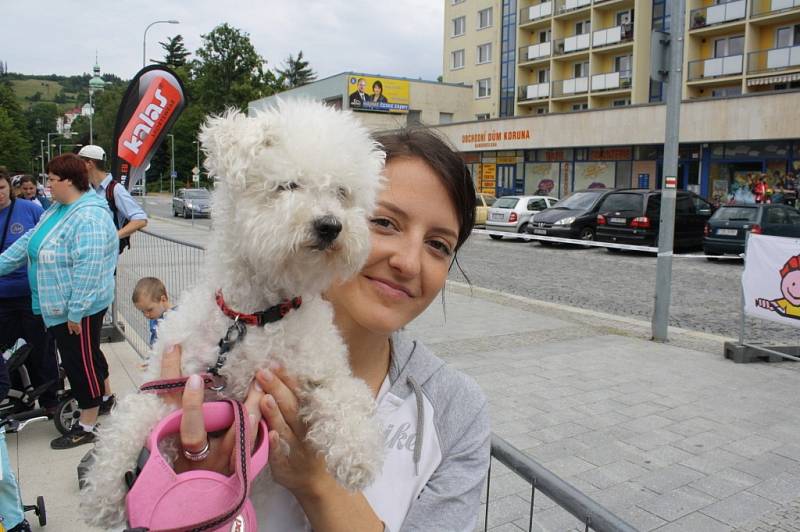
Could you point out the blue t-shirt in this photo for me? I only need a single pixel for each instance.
(24, 218)
(35, 244)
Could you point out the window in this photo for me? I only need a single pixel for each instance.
(484, 18)
(541, 110)
(581, 69)
(485, 53)
(445, 118)
(457, 59)
(621, 103)
(624, 17)
(456, 2)
(544, 75)
(537, 204)
(580, 106)
(482, 116)
(622, 63)
(459, 25)
(729, 46)
(725, 92)
(544, 36)
(484, 88)
(622, 202)
(584, 26)
(788, 36)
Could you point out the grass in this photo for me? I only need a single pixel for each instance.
(25, 88)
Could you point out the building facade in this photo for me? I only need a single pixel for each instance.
(586, 113)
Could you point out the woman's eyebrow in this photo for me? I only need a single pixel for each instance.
(400, 212)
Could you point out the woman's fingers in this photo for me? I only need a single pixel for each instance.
(273, 384)
(251, 403)
(171, 369)
(193, 429)
(278, 428)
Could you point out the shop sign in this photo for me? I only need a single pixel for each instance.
(503, 138)
(488, 181)
(506, 160)
(644, 180)
(611, 154)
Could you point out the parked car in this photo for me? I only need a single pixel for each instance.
(631, 216)
(482, 204)
(137, 190)
(573, 217)
(726, 231)
(511, 214)
(192, 202)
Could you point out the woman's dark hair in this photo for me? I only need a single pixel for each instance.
(420, 143)
(70, 166)
(27, 179)
(377, 83)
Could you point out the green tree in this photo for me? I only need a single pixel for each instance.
(20, 137)
(296, 72)
(229, 71)
(14, 146)
(175, 52)
(40, 120)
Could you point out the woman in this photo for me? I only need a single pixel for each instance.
(422, 218)
(71, 257)
(17, 319)
(30, 192)
(377, 93)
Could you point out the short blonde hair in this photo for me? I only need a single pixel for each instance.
(149, 287)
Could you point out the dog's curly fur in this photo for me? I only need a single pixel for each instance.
(276, 174)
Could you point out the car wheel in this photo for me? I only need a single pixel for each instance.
(185, 213)
(174, 213)
(495, 237)
(523, 228)
(587, 233)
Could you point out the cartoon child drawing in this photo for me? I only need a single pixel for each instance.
(789, 305)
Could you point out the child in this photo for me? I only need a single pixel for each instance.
(150, 297)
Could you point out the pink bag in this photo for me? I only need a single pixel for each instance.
(161, 500)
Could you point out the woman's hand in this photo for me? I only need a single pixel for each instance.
(74, 328)
(293, 463)
(193, 435)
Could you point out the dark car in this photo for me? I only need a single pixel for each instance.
(573, 217)
(727, 230)
(631, 216)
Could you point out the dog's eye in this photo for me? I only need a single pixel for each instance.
(291, 185)
(342, 193)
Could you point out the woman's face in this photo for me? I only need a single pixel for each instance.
(61, 190)
(414, 230)
(377, 90)
(28, 190)
(5, 193)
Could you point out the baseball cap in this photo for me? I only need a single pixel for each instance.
(92, 152)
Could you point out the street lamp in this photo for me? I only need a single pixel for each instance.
(49, 152)
(144, 39)
(172, 164)
(41, 146)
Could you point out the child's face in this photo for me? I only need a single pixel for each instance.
(152, 309)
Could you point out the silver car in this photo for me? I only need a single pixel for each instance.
(511, 214)
(192, 202)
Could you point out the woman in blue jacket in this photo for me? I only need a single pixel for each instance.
(71, 256)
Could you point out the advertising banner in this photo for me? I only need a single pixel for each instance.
(771, 279)
(379, 95)
(151, 105)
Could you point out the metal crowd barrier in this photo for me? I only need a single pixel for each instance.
(179, 265)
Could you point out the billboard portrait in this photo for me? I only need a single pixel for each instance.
(379, 95)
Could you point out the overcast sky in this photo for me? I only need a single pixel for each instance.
(390, 38)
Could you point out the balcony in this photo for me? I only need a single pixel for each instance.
(534, 13)
(535, 52)
(716, 67)
(612, 36)
(762, 8)
(570, 87)
(576, 43)
(611, 81)
(773, 60)
(565, 6)
(719, 14)
(537, 91)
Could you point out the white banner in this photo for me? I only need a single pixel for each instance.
(771, 279)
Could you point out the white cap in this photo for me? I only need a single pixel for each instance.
(92, 152)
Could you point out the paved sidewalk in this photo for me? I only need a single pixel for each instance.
(669, 437)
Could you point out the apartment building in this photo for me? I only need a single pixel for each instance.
(591, 59)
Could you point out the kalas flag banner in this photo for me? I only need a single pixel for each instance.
(151, 105)
(771, 279)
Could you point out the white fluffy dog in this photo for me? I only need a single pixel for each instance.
(295, 186)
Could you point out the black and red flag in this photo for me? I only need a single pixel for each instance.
(150, 107)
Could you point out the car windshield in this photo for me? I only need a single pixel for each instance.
(578, 201)
(196, 194)
(742, 214)
(508, 202)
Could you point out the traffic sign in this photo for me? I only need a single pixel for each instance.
(173, 174)
(670, 182)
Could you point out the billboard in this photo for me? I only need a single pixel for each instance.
(379, 95)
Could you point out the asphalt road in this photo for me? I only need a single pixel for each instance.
(161, 206)
(705, 295)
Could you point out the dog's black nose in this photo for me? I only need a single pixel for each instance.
(327, 228)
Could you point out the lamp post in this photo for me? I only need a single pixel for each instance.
(41, 146)
(144, 39)
(49, 151)
(91, 114)
(172, 164)
(197, 142)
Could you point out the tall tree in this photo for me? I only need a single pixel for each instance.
(229, 72)
(40, 120)
(19, 138)
(296, 72)
(14, 146)
(175, 52)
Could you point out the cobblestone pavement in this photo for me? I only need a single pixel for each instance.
(705, 295)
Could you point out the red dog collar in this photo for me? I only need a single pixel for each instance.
(270, 315)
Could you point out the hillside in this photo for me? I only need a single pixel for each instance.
(29, 91)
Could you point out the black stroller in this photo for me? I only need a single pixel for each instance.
(14, 425)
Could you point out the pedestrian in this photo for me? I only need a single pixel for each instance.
(17, 318)
(151, 299)
(127, 214)
(760, 188)
(71, 256)
(424, 215)
(31, 192)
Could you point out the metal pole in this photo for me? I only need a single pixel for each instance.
(172, 165)
(666, 230)
(91, 115)
(144, 39)
(41, 146)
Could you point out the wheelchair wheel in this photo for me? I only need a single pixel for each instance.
(41, 512)
(67, 414)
